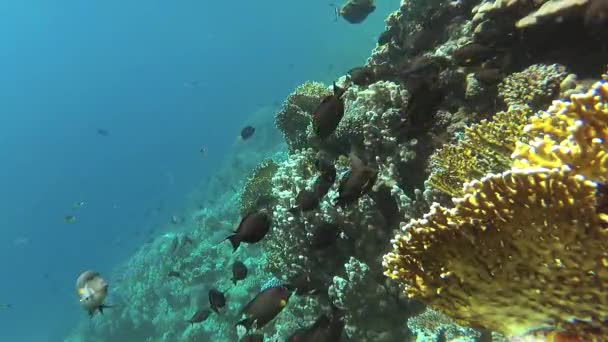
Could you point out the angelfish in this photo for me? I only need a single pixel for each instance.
(92, 290)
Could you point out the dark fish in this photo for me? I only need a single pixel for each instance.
(385, 37)
(356, 183)
(200, 316)
(174, 274)
(247, 132)
(69, 219)
(306, 284)
(217, 300)
(322, 185)
(305, 201)
(489, 76)
(265, 307)
(596, 14)
(324, 164)
(362, 76)
(253, 338)
(324, 329)
(103, 132)
(325, 235)
(472, 53)
(355, 11)
(252, 229)
(328, 114)
(239, 271)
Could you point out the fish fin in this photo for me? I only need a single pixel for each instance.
(217, 311)
(247, 323)
(234, 241)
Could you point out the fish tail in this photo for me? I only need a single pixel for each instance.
(234, 241)
(337, 14)
(247, 323)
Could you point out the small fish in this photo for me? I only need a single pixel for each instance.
(69, 219)
(203, 151)
(328, 114)
(472, 53)
(385, 37)
(325, 235)
(6, 306)
(358, 181)
(252, 229)
(305, 201)
(78, 205)
(247, 132)
(362, 76)
(489, 76)
(355, 11)
(199, 316)
(239, 271)
(92, 290)
(217, 300)
(252, 338)
(174, 274)
(103, 132)
(265, 307)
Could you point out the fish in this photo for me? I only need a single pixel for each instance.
(203, 151)
(264, 307)
(325, 235)
(6, 306)
(199, 316)
(385, 37)
(324, 329)
(328, 113)
(356, 11)
(252, 338)
(217, 300)
(489, 75)
(305, 201)
(596, 14)
(362, 76)
(174, 274)
(247, 132)
(306, 283)
(252, 229)
(92, 290)
(103, 132)
(472, 53)
(239, 271)
(78, 205)
(69, 219)
(359, 180)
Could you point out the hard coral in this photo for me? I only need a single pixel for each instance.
(522, 250)
(485, 147)
(535, 86)
(258, 189)
(294, 119)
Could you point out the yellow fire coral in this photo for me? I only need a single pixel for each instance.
(486, 147)
(525, 249)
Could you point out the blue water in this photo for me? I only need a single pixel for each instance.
(164, 78)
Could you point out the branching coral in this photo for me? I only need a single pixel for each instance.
(258, 189)
(485, 147)
(535, 86)
(524, 249)
(293, 120)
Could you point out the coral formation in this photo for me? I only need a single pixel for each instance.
(294, 118)
(258, 189)
(484, 148)
(432, 325)
(535, 86)
(522, 250)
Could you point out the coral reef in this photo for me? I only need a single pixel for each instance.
(521, 250)
(432, 325)
(258, 189)
(293, 120)
(535, 86)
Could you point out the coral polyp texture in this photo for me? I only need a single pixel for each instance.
(522, 250)
(485, 147)
(258, 189)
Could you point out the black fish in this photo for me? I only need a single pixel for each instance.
(324, 329)
(247, 132)
(357, 182)
(385, 37)
(265, 307)
(489, 76)
(325, 235)
(324, 164)
(306, 284)
(305, 201)
(239, 271)
(103, 132)
(217, 300)
(252, 338)
(252, 229)
(174, 274)
(328, 114)
(362, 76)
(199, 316)
(355, 11)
